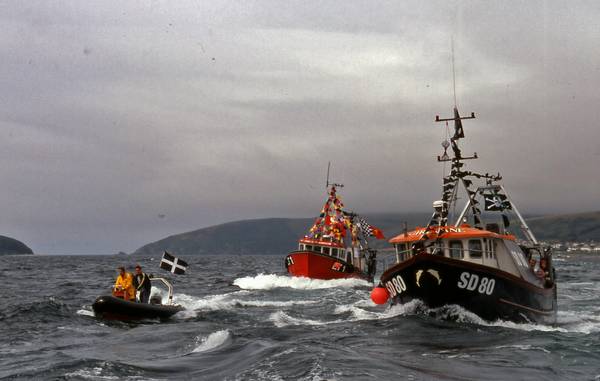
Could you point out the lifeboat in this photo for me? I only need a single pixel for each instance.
(336, 246)
(482, 266)
(114, 307)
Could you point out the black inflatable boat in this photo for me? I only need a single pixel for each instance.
(114, 308)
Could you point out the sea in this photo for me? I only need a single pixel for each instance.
(245, 319)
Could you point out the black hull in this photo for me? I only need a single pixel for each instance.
(488, 292)
(112, 308)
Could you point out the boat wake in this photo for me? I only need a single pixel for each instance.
(212, 341)
(229, 301)
(567, 321)
(272, 281)
(363, 310)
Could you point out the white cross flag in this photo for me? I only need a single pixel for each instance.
(173, 264)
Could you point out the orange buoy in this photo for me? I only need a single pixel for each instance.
(379, 295)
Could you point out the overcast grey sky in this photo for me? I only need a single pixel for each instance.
(113, 114)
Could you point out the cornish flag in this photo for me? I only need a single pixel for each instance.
(173, 264)
(369, 230)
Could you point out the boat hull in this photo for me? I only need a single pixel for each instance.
(112, 308)
(319, 266)
(488, 292)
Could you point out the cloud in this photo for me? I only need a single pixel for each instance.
(205, 112)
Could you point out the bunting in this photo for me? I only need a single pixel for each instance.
(332, 222)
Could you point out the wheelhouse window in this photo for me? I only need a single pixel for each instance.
(309, 248)
(456, 249)
(489, 248)
(326, 250)
(475, 248)
(403, 251)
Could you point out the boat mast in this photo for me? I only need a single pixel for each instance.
(457, 174)
(327, 184)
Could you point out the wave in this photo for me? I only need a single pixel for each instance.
(229, 301)
(48, 308)
(282, 319)
(85, 312)
(567, 321)
(271, 281)
(523, 347)
(101, 370)
(212, 341)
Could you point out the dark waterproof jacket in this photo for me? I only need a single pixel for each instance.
(142, 282)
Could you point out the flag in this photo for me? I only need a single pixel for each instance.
(496, 202)
(173, 264)
(369, 230)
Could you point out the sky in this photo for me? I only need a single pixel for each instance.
(124, 122)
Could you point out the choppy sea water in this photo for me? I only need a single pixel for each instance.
(247, 320)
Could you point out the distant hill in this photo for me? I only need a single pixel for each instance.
(279, 235)
(567, 227)
(10, 246)
(264, 236)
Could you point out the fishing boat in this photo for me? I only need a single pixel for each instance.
(478, 262)
(336, 246)
(115, 307)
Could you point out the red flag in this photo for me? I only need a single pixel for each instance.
(377, 233)
(370, 230)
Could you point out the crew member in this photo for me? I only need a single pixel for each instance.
(124, 285)
(545, 273)
(532, 264)
(142, 284)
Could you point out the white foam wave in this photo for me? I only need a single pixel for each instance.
(281, 319)
(92, 374)
(567, 321)
(228, 301)
(579, 322)
(524, 347)
(102, 372)
(271, 281)
(212, 341)
(85, 312)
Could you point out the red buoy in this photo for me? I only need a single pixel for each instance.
(379, 295)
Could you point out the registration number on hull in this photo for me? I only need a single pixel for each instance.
(473, 282)
(396, 286)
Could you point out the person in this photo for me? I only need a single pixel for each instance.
(142, 284)
(544, 272)
(532, 263)
(124, 285)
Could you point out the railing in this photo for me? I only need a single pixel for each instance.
(169, 288)
(388, 259)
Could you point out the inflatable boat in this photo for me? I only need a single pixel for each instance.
(113, 307)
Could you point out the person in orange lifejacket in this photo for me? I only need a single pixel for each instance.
(124, 285)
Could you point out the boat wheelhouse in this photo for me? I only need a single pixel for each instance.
(485, 268)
